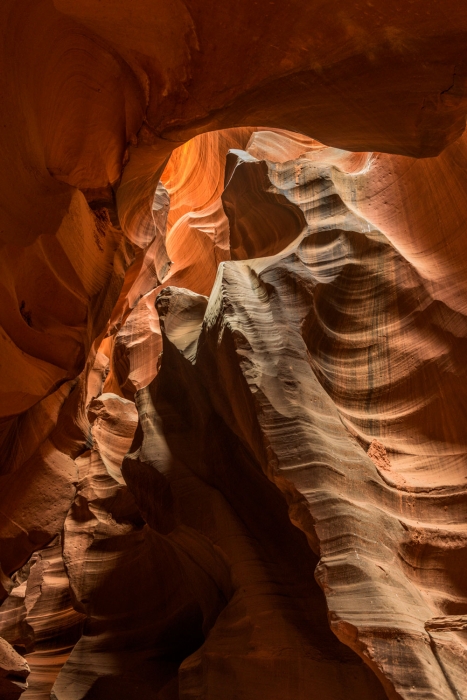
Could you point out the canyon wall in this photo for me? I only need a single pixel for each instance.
(234, 460)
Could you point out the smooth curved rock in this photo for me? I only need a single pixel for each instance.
(145, 597)
(99, 95)
(277, 355)
(35, 501)
(39, 620)
(304, 426)
(113, 424)
(273, 634)
(195, 238)
(262, 221)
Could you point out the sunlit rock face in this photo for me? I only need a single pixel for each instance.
(318, 367)
(258, 483)
(233, 396)
(97, 95)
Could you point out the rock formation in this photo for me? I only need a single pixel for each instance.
(233, 397)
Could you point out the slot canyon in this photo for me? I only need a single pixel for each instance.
(233, 318)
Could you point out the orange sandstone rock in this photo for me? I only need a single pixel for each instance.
(287, 319)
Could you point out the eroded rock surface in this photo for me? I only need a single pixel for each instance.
(242, 467)
(97, 95)
(294, 368)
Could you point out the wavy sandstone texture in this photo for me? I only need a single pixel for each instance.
(233, 397)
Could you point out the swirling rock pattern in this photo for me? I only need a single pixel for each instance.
(98, 95)
(193, 238)
(261, 221)
(50, 625)
(296, 356)
(113, 422)
(293, 500)
(233, 382)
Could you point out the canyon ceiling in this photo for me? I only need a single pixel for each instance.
(233, 350)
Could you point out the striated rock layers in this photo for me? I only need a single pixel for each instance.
(258, 484)
(233, 381)
(98, 94)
